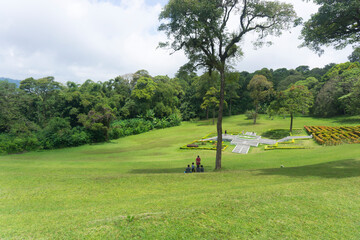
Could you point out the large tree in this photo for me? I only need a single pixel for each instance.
(10, 105)
(231, 89)
(355, 55)
(260, 90)
(296, 99)
(46, 102)
(202, 86)
(98, 121)
(211, 101)
(143, 94)
(205, 31)
(336, 96)
(336, 23)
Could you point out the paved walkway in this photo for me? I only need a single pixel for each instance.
(250, 139)
(293, 137)
(243, 149)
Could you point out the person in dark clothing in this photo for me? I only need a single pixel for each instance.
(193, 167)
(201, 168)
(198, 160)
(188, 169)
(197, 168)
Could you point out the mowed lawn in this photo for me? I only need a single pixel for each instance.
(135, 188)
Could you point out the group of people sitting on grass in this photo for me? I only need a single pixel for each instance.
(192, 168)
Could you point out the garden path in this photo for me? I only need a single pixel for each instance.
(250, 139)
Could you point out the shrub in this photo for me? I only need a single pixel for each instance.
(276, 133)
(16, 144)
(133, 126)
(116, 132)
(78, 137)
(58, 134)
(250, 114)
(174, 119)
(334, 135)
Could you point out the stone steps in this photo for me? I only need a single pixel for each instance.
(244, 142)
(242, 149)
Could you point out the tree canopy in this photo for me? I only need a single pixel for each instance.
(48, 114)
(260, 89)
(355, 55)
(211, 100)
(336, 23)
(296, 99)
(201, 28)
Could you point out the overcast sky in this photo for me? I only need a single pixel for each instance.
(75, 40)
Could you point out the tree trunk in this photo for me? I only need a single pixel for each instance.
(213, 115)
(219, 122)
(291, 122)
(256, 111)
(230, 108)
(207, 113)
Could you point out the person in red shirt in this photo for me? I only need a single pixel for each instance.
(198, 160)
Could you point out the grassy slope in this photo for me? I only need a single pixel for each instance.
(134, 188)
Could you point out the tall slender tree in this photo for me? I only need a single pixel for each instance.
(211, 101)
(204, 30)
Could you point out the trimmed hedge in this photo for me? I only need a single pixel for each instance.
(283, 145)
(334, 135)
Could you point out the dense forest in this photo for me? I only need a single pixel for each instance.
(46, 114)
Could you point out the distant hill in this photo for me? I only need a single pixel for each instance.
(17, 82)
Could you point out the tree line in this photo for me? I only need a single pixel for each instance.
(44, 113)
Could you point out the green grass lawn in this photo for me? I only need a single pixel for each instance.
(135, 188)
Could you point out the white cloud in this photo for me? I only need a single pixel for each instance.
(75, 40)
(285, 51)
(81, 39)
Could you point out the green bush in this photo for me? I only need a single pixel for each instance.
(116, 132)
(127, 127)
(78, 137)
(250, 114)
(59, 134)
(174, 119)
(16, 144)
(276, 133)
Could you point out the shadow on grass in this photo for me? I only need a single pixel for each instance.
(338, 169)
(206, 124)
(157, 170)
(348, 121)
(250, 123)
(164, 170)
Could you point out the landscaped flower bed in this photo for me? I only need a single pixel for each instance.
(203, 145)
(273, 147)
(334, 135)
(214, 134)
(284, 145)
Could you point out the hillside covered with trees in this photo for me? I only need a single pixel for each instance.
(46, 114)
